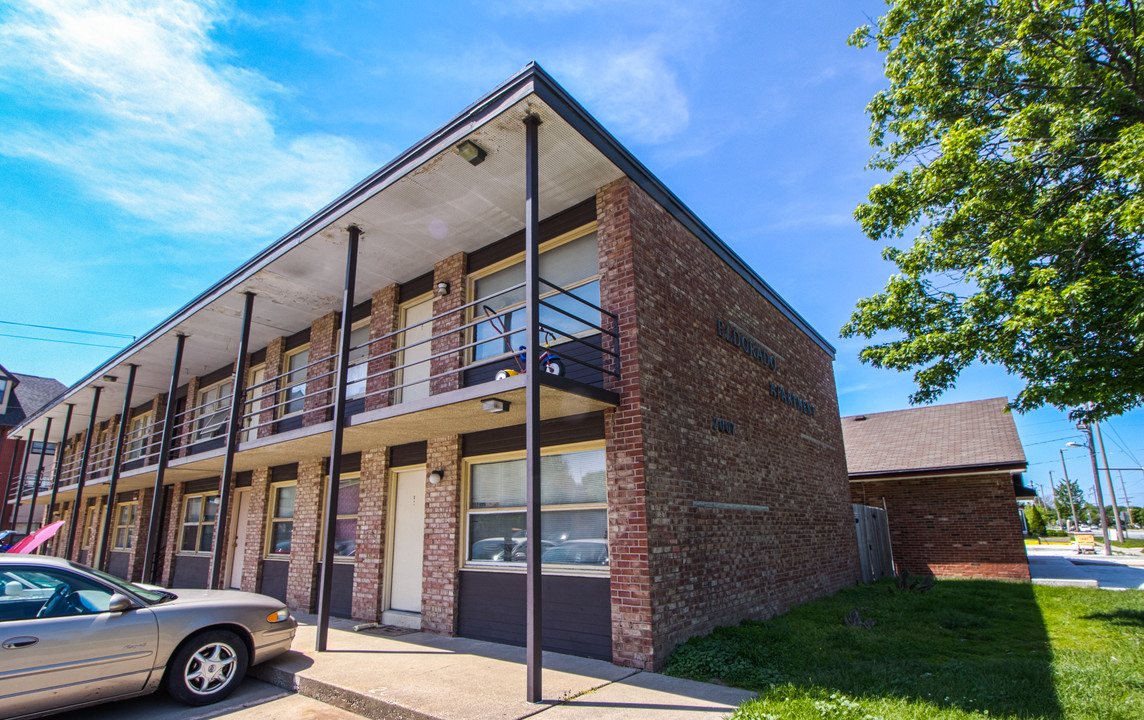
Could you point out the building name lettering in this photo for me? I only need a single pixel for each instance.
(786, 396)
(724, 426)
(746, 343)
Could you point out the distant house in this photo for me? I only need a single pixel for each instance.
(949, 477)
(22, 396)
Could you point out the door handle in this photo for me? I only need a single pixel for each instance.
(20, 642)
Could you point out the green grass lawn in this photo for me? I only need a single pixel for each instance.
(964, 649)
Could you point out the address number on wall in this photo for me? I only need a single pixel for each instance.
(724, 426)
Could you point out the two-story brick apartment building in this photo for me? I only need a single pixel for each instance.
(689, 438)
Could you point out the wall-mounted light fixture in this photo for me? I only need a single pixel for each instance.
(110, 378)
(442, 289)
(495, 405)
(436, 476)
(473, 153)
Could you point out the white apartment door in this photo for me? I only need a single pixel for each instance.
(415, 358)
(238, 542)
(408, 540)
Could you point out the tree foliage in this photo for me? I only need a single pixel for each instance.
(1061, 498)
(1015, 132)
(1035, 520)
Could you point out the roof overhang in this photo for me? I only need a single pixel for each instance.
(427, 204)
(938, 472)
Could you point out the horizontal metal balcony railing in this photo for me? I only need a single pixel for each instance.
(305, 395)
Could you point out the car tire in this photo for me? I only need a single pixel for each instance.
(207, 667)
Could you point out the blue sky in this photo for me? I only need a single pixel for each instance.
(147, 148)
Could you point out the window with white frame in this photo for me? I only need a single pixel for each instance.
(294, 382)
(213, 404)
(281, 523)
(573, 265)
(574, 509)
(256, 389)
(345, 524)
(124, 534)
(357, 368)
(136, 442)
(200, 515)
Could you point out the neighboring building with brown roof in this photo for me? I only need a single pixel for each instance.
(948, 477)
(21, 396)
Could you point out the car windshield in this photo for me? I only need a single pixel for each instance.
(151, 597)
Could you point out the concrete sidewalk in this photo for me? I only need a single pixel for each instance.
(424, 676)
(1061, 565)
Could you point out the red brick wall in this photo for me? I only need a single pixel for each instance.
(169, 545)
(707, 565)
(452, 271)
(256, 529)
(382, 322)
(302, 581)
(964, 526)
(442, 528)
(145, 497)
(319, 377)
(369, 558)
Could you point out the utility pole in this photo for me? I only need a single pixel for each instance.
(1111, 490)
(1127, 504)
(1087, 430)
(1068, 484)
(1056, 505)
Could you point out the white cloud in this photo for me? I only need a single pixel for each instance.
(634, 89)
(156, 121)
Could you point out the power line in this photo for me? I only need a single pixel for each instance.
(61, 329)
(65, 342)
(1122, 445)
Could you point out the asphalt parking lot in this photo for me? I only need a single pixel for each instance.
(253, 700)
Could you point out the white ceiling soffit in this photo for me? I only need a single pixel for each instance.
(434, 207)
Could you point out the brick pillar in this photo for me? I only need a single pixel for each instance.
(154, 434)
(92, 528)
(452, 271)
(632, 637)
(302, 580)
(172, 541)
(256, 530)
(382, 322)
(442, 536)
(275, 357)
(59, 542)
(139, 535)
(369, 558)
(323, 345)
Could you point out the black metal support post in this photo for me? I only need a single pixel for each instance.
(8, 484)
(101, 558)
(20, 481)
(326, 580)
(40, 471)
(82, 472)
(59, 464)
(161, 471)
(234, 418)
(534, 640)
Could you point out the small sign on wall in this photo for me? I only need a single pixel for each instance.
(718, 424)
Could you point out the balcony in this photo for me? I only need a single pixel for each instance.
(426, 379)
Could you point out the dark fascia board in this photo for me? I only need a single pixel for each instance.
(937, 471)
(531, 79)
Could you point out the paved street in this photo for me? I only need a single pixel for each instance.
(253, 700)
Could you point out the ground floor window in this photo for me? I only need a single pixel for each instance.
(345, 524)
(574, 509)
(200, 513)
(281, 518)
(124, 525)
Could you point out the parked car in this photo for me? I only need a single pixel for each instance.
(71, 636)
(8, 538)
(590, 551)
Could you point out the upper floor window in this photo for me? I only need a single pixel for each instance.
(38, 448)
(213, 404)
(136, 441)
(294, 382)
(573, 265)
(357, 369)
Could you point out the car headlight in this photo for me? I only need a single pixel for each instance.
(278, 615)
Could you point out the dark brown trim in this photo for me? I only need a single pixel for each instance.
(217, 376)
(551, 227)
(414, 453)
(415, 288)
(297, 340)
(284, 473)
(936, 472)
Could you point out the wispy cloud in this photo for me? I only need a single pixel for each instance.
(156, 119)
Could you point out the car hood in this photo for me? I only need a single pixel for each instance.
(195, 596)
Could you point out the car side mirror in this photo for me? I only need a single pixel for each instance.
(119, 603)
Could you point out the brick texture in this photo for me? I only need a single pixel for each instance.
(169, 544)
(382, 322)
(302, 580)
(256, 529)
(319, 377)
(450, 270)
(369, 558)
(142, 521)
(673, 475)
(275, 359)
(442, 530)
(963, 526)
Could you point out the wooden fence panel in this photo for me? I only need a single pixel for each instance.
(874, 552)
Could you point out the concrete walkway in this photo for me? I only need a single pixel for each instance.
(422, 676)
(1059, 564)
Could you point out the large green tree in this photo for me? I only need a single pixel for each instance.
(1061, 498)
(1014, 132)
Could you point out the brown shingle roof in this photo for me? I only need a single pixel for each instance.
(958, 436)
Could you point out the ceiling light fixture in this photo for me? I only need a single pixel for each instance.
(473, 153)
